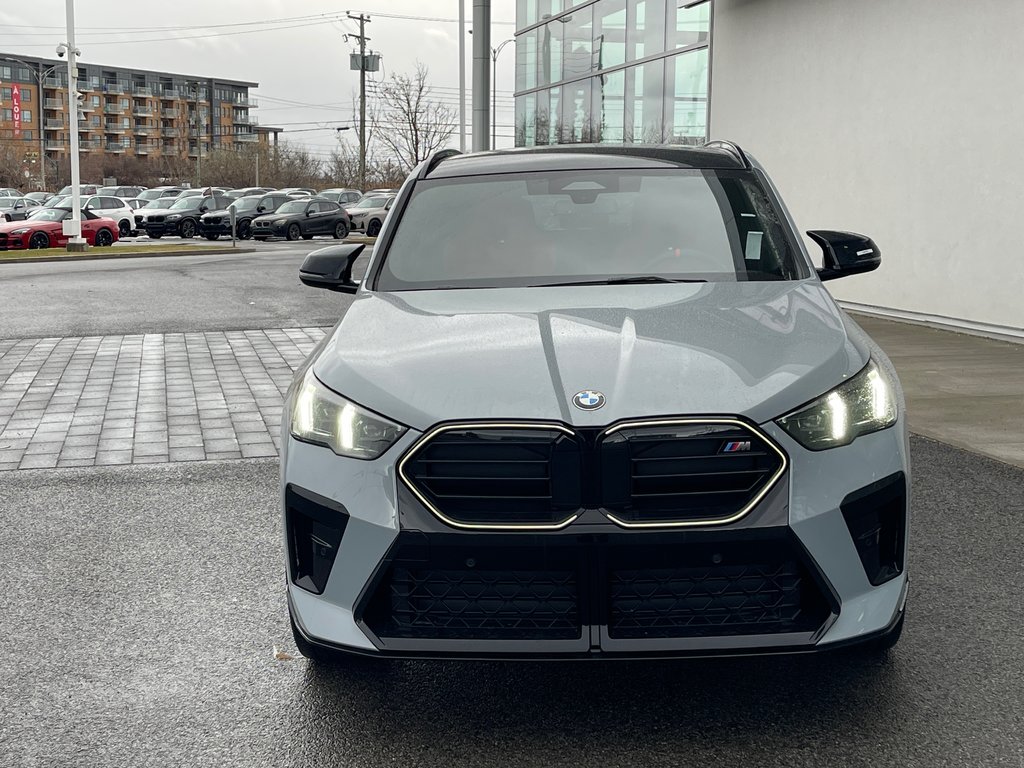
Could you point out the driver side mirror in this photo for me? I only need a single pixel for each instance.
(331, 268)
(845, 253)
(260, 208)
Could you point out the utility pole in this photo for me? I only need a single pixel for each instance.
(462, 76)
(73, 228)
(362, 19)
(481, 73)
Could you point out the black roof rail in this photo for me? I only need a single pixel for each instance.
(730, 147)
(435, 159)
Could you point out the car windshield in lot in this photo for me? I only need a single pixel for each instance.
(588, 227)
(296, 206)
(49, 214)
(246, 203)
(371, 202)
(185, 202)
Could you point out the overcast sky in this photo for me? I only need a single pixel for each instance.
(294, 58)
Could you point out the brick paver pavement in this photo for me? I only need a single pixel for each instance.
(101, 400)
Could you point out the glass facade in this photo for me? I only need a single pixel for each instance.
(611, 71)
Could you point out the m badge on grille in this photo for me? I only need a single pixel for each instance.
(736, 446)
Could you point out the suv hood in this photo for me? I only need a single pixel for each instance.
(755, 349)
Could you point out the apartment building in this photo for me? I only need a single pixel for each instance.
(123, 111)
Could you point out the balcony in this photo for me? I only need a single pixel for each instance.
(89, 145)
(89, 107)
(142, 112)
(169, 148)
(241, 118)
(112, 127)
(142, 90)
(246, 102)
(144, 149)
(57, 145)
(144, 130)
(245, 137)
(113, 146)
(54, 82)
(54, 125)
(169, 132)
(170, 113)
(113, 109)
(115, 88)
(53, 104)
(170, 93)
(193, 152)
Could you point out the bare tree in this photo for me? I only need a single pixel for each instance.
(407, 122)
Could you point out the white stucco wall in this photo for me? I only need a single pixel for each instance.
(902, 120)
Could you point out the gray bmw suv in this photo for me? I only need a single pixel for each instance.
(594, 401)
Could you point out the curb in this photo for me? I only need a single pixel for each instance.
(132, 255)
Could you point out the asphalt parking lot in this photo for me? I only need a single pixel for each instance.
(145, 601)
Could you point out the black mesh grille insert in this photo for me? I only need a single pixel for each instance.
(501, 604)
(499, 476)
(684, 472)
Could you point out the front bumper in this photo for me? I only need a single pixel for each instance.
(159, 228)
(787, 578)
(13, 242)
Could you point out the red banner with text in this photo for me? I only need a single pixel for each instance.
(16, 109)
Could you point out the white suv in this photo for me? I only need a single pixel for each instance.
(112, 208)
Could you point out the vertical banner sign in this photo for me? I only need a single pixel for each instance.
(16, 109)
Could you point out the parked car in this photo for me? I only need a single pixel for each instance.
(302, 190)
(39, 197)
(16, 208)
(214, 224)
(83, 189)
(343, 197)
(9, 192)
(539, 433)
(369, 213)
(303, 218)
(122, 192)
(113, 208)
(157, 193)
(44, 229)
(247, 191)
(181, 217)
(377, 192)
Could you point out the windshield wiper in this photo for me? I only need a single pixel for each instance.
(626, 280)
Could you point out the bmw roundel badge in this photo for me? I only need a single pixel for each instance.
(588, 400)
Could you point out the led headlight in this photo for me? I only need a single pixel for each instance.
(280, 222)
(325, 418)
(865, 403)
(21, 231)
(174, 217)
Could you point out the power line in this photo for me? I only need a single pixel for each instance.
(127, 30)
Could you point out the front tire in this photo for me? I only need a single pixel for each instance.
(104, 238)
(212, 236)
(294, 232)
(187, 229)
(244, 231)
(373, 228)
(340, 230)
(124, 229)
(39, 240)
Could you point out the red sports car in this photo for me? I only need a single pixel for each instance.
(44, 229)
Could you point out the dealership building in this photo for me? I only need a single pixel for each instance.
(899, 120)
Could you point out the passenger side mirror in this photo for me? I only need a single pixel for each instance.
(845, 253)
(260, 208)
(203, 208)
(331, 268)
(310, 211)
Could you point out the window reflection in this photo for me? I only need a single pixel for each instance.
(577, 44)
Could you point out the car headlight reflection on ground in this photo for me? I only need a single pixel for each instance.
(324, 417)
(864, 404)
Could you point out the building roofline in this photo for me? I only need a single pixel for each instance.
(4, 56)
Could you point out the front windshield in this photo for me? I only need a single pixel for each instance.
(583, 227)
(245, 203)
(49, 214)
(185, 202)
(371, 202)
(150, 194)
(295, 206)
(158, 203)
(111, 191)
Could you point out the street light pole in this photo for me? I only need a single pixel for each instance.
(75, 241)
(494, 93)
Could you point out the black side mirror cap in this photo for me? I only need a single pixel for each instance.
(845, 253)
(331, 268)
